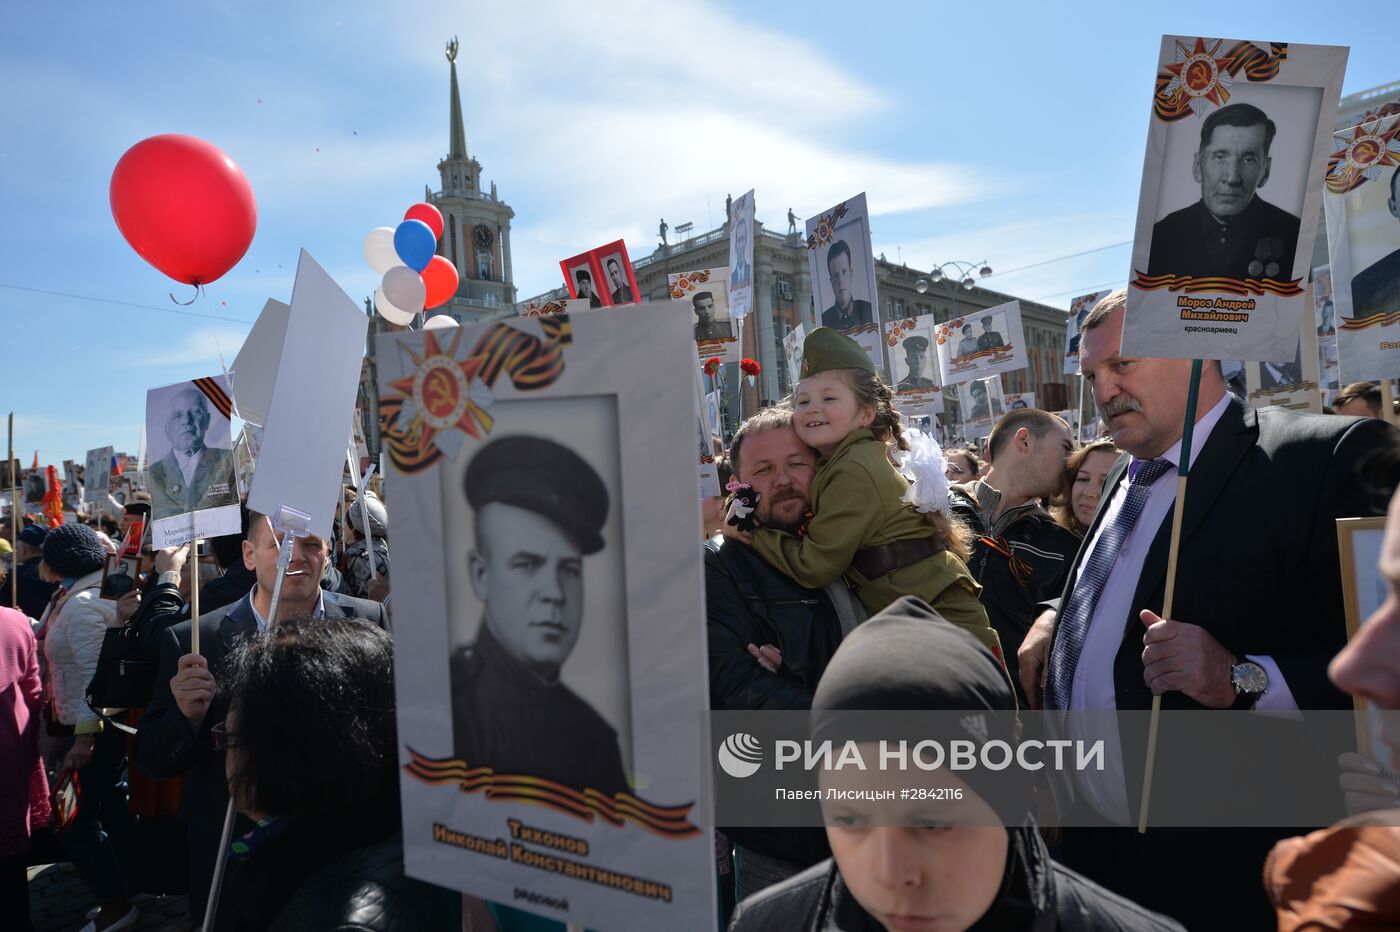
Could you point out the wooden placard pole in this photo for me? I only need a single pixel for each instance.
(193, 561)
(14, 515)
(1177, 514)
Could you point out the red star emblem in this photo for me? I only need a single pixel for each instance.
(440, 389)
(1199, 75)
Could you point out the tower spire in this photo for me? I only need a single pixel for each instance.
(458, 148)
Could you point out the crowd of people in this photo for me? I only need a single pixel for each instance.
(1035, 579)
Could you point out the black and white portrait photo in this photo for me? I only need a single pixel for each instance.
(847, 311)
(97, 474)
(982, 404)
(584, 286)
(981, 344)
(707, 325)
(1375, 287)
(191, 452)
(36, 485)
(619, 286)
(842, 266)
(1231, 229)
(741, 224)
(913, 369)
(539, 660)
(120, 575)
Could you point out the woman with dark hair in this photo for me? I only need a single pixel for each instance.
(313, 760)
(974, 864)
(1082, 486)
(962, 466)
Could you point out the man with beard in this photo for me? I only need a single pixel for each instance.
(769, 638)
(191, 477)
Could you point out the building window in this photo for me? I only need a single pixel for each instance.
(483, 265)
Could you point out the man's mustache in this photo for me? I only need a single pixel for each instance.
(1121, 405)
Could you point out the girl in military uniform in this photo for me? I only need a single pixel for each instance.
(862, 525)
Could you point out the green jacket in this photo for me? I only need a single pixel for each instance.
(856, 503)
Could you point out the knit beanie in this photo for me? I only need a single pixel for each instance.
(73, 550)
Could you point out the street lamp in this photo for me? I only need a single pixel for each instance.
(962, 269)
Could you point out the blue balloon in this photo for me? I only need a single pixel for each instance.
(415, 243)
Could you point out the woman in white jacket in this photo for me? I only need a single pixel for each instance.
(101, 838)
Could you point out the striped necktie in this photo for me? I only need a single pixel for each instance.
(1084, 597)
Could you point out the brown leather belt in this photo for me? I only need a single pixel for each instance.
(881, 560)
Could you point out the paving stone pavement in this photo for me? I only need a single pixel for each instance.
(59, 901)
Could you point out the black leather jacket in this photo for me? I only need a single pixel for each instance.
(749, 602)
(1036, 895)
(302, 884)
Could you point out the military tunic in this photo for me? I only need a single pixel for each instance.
(357, 575)
(1259, 242)
(507, 717)
(856, 503)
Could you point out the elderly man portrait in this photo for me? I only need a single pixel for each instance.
(1230, 232)
(1376, 288)
(769, 638)
(192, 476)
(848, 312)
(539, 513)
(1256, 618)
(706, 327)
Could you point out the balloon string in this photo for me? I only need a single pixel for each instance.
(198, 290)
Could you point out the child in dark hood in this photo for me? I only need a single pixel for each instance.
(974, 864)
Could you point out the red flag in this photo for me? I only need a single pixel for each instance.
(116, 465)
(35, 465)
(53, 499)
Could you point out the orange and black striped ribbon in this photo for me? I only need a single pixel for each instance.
(216, 395)
(1240, 286)
(1256, 64)
(586, 804)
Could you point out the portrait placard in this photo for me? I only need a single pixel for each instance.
(981, 344)
(714, 325)
(1324, 313)
(1015, 401)
(1362, 198)
(1236, 149)
(792, 353)
(602, 276)
(97, 475)
(72, 488)
(552, 308)
(710, 432)
(192, 474)
(842, 264)
(1079, 309)
(582, 277)
(1291, 384)
(121, 574)
(741, 235)
(982, 405)
(1364, 590)
(913, 365)
(551, 696)
(36, 486)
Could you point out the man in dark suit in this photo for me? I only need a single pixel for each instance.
(1257, 616)
(174, 735)
(989, 338)
(847, 313)
(540, 509)
(1230, 232)
(584, 280)
(191, 477)
(621, 290)
(1376, 289)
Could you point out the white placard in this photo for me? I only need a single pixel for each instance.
(597, 415)
(192, 476)
(741, 235)
(97, 475)
(303, 447)
(1363, 239)
(981, 344)
(982, 406)
(842, 265)
(1231, 186)
(255, 367)
(1079, 309)
(714, 326)
(792, 354)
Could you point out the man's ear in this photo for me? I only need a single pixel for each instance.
(1196, 166)
(1268, 164)
(476, 570)
(249, 548)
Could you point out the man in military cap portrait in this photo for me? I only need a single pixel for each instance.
(539, 511)
(989, 338)
(915, 358)
(1230, 232)
(706, 327)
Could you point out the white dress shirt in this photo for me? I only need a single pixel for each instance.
(188, 463)
(1092, 686)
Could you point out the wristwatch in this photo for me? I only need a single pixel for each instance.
(1250, 682)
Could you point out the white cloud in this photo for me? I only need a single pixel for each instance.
(197, 351)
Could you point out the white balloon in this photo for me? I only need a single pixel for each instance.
(389, 312)
(405, 289)
(379, 250)
(440, 322)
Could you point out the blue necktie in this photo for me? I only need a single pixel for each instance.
(1084, 597)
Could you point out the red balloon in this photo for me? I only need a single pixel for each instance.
(440, 279)
(428, 214)
(184, 206)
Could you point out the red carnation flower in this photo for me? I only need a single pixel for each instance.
(750, 366)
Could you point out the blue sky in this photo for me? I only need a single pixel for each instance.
(1011, 132)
